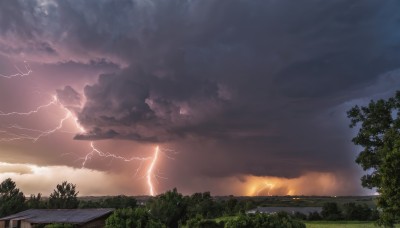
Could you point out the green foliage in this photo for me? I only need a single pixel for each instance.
(36, 202)
(379, 135)
(90, 204)
(331, 211)
(132, 217)
(198, 222)
(230, 206)
(202, 204)
(359, 212)
(119, 202)
(64, 197)
(11, 199)
(312, 216)
(169, 208)
(340, 224)
(300, 216)
(279, 220)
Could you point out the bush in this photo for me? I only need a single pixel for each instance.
(312, 216)
(300, 216)
(279, 220)
(204, 223)
(128, 217)
(330, 211)
(360, 212)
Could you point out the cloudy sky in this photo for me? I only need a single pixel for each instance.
(242, 97)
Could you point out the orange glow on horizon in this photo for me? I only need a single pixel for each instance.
(307, 184)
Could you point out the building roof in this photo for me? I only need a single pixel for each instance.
(45, 216)
(291, 210)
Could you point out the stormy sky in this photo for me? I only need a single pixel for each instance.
(243, 97)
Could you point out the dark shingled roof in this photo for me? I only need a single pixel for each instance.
(76, 216)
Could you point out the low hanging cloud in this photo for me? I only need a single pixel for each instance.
(144, 107)
(15, 168)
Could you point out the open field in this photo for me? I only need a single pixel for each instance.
(342, 224)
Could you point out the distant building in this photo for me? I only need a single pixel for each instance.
(83, 218)
(290, 210)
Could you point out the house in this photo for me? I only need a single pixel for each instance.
(290, 210)
(84, 218)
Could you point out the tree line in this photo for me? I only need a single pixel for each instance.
(172, 209)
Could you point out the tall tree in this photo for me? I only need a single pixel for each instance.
(11, 199)
(35, 202)
(379, 135)
(64, 196)
(169, 208)
(330, 211)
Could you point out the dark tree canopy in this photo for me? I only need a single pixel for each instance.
(11, 199)
(379, 135)
(170, 208)
(36, 202)
(331, 211)
(64, 196)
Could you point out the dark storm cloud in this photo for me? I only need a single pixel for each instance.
(259, 75)
(69, 98)
(260, 78)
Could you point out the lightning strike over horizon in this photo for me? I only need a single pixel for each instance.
(20, 73)
(267, 186)
(95, 150)
(36, 134)
(150, 174)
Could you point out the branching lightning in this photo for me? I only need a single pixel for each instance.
(21, 73)
(149, 173)
(35, 134)
(266, 186)
(53, 102)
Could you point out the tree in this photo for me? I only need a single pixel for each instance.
(312, 216)
(202, 204)
(169, 208)
(360, 212)
(35, 202)
(120, 202)
(330, 211)
(379, 135)
(64, 196)
(132, 217)
(11, 199)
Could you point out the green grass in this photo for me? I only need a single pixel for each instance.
(342, 224)
(225, 218)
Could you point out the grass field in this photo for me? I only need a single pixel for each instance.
(341, 224)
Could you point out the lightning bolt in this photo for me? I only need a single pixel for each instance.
(267, 186)
(27, 71)
(110, 155)
(149, 173)
(100, 153)
(42, 133)
(52, 102)
(36, 134)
